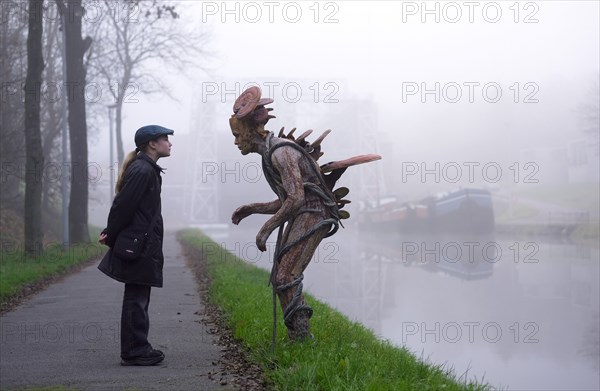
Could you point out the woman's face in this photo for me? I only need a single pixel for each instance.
(162, 146)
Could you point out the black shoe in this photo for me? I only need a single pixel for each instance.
(152, 357)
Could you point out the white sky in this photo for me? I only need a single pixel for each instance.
(370, 52)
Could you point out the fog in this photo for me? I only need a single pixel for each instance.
(491, 95)
(502, 87)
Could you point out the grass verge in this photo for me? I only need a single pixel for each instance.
(577, 196)
(343, 355)
(21, 275)
(520, 211)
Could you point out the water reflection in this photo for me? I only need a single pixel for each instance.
(464, 256)
(519, 313)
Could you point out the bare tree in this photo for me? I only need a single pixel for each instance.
(51, 109)
(33, 138)
(136, 36)
(76, 47)
(13, 68)
(13, 35)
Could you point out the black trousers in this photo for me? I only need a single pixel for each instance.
(135, 322)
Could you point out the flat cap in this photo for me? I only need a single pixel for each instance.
(150, 132)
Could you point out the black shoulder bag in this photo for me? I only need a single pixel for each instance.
(131, 241)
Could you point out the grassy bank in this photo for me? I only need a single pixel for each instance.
(580, 196)
(343, 355)
(19, 272)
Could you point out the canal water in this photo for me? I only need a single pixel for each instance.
(519, 314)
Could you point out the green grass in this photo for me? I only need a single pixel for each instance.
(588, 232)
(578, 196)
(344, 355)
(574, 195)
(18, 270)
(520, 211)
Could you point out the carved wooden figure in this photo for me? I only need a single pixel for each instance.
(307, 209)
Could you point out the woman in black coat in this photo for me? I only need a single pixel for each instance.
(137, 207)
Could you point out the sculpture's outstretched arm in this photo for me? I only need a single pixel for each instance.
(285, 160)
(266, 208)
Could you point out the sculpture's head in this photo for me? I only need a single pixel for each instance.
(249, 120)
(244, 133)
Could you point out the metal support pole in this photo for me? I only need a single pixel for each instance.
(65, 145)
(112, 158)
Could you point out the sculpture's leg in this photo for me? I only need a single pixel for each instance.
(290, 273)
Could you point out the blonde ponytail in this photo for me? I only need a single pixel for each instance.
(128, 159)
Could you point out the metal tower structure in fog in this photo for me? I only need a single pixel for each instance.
(204, 194)
(372, 185)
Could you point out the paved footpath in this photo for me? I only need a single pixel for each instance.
(69, 335)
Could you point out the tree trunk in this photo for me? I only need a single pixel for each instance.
(120, 152)
(75, 50)
(33, 139)
(52, 124)
(121, 91)
(13, 68)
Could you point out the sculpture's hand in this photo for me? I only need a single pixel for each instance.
(261, 240)
(240, 213)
